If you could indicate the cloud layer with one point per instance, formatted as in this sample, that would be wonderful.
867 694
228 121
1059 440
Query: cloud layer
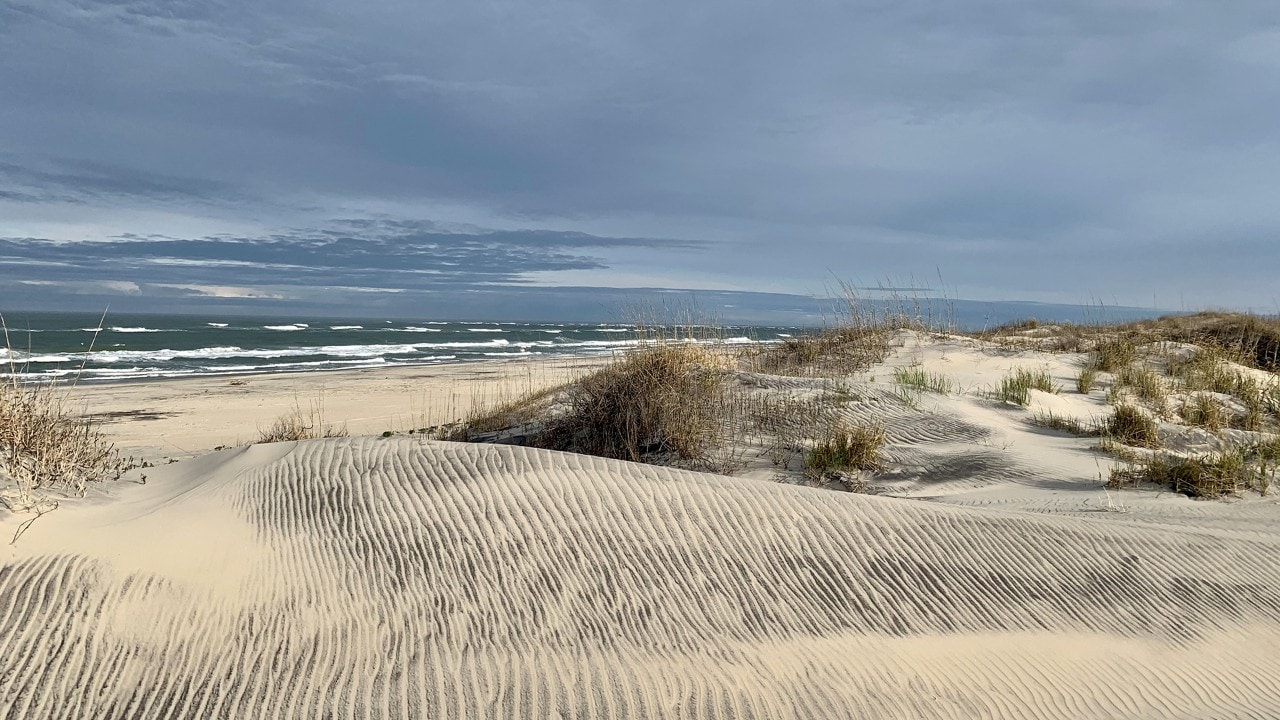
1029 150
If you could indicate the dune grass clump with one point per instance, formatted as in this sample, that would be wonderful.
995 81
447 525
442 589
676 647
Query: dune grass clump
833 352
1087 379
1205 370
1205 411
1144 382
1130 426
299 424
859 338
1250 338
503 418
1016 386
918 378
1063 423
44 443
1204 476
1115 352
666 399
845 448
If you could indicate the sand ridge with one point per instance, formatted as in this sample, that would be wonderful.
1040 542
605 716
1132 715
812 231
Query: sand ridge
395 577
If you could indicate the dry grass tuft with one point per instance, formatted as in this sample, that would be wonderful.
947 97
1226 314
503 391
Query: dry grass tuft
44 443
832 352
1244 337
299 424
665 399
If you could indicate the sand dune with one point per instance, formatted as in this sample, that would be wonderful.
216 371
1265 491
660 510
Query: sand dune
394 577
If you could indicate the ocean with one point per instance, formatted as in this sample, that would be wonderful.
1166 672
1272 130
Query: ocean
45 345
131 347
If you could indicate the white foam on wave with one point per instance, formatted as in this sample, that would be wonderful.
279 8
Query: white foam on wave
480 329
135 330
415 328
232 351
218 325
346 327
285 328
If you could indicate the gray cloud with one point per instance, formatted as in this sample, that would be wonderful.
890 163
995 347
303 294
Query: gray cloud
1040 150
392 255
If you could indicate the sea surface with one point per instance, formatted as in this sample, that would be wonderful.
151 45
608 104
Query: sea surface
128 347
117 347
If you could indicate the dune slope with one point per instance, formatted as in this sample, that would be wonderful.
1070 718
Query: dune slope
391 577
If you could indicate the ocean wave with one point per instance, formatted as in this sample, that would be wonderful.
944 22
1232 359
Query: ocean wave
232 351
346 327
135 330
24 358
216 324
95 329
286 328
414 328
485 329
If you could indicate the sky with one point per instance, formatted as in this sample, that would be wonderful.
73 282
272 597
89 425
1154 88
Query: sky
180 154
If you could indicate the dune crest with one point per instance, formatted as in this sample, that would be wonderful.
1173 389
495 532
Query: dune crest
393 577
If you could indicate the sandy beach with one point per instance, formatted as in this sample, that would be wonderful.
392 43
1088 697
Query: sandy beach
986 571
162 419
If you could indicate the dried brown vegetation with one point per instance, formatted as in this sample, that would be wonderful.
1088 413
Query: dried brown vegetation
666 399
300 424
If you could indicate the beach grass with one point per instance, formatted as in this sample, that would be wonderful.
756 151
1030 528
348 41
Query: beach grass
1016 386
46 442
301 424
1212 475
845 448
918 378
1129 425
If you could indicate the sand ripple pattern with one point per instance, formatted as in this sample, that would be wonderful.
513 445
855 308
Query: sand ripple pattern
377 578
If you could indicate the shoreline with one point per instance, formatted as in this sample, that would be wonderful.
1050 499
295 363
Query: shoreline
158 419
